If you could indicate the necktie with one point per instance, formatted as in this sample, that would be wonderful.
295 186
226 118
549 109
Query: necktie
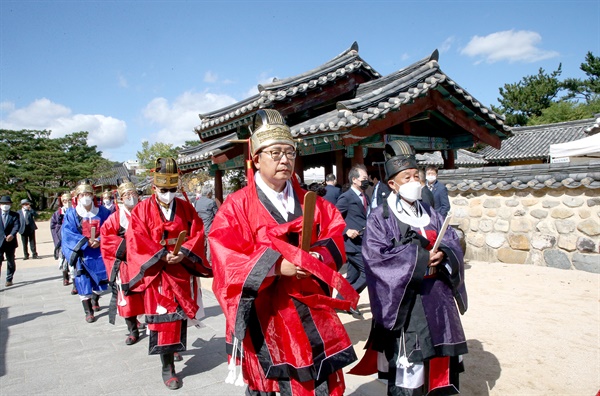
25 214
4 218
364 199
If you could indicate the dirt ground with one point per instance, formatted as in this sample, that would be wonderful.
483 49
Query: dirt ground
531 330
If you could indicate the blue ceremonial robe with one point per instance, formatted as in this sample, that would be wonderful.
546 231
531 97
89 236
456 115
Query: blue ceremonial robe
88 263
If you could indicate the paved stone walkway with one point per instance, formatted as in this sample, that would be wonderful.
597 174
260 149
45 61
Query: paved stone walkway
46 347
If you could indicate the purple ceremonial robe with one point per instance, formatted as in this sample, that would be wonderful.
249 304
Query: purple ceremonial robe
403 298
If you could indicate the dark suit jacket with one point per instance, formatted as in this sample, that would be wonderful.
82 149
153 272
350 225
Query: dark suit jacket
382 191
427 197
440 197
207 209
332 193
27 228
11 228
353 211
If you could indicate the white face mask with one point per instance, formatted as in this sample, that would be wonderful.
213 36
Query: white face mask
106 202
430 178
410 191
85 201
165 197
5 208
130 202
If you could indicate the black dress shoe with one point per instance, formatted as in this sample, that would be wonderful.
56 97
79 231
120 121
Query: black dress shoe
26 258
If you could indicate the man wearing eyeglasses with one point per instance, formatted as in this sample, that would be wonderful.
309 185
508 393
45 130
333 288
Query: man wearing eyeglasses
167 278
281 324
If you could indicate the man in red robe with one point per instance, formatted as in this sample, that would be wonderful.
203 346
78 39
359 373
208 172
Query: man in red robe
114 252
167 278
281 324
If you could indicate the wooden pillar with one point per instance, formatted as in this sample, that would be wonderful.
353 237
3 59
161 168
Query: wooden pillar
339 167
449 162
358 156
299 167
219 185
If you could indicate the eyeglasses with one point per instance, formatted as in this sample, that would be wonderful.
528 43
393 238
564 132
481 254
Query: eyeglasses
166 190
277 155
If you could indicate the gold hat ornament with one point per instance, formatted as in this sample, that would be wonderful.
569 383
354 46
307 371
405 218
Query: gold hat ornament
125 185
84 186
269 128
165 173
106 194
65 196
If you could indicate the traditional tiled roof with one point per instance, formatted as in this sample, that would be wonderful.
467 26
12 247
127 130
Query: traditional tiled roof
533 142
240 113
201 155
464 159
374 99
119 172
520 177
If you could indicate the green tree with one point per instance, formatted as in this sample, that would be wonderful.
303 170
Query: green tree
589 88
149 153
566 111
527 98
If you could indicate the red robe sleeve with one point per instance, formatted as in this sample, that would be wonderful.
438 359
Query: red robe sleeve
112 246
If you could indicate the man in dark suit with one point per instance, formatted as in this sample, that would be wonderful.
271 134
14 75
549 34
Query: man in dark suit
9 226
426 194
332 191
354 207
381 191
27 229
440 192
206 207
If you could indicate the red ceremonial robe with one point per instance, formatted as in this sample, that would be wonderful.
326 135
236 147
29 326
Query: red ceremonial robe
114 253
293 341
170 290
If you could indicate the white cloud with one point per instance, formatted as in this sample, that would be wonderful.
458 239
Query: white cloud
176 121
210 77
104 131
122 81
509 45
447 44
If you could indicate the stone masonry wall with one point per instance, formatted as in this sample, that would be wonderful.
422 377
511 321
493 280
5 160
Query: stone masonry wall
549 227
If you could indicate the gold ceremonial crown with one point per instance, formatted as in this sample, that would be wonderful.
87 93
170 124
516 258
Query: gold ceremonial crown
125 185
165 173
269 128
84 186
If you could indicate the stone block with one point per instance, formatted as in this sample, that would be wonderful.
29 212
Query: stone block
535 257
460 212
587 262
475 202
520 225
519 213
476 239
589 227
567 242
495 239
486 225
511 203
572 202
482 254
474 224
550 204
460 202
529 201
492 203
562 213
505 213
518 241
546 227
508 255
593 202
556 259
564 226
543 241
501 225
539 213
475 211
586 245
584 213
490 212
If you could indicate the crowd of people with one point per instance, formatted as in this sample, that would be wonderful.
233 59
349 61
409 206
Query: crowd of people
276 274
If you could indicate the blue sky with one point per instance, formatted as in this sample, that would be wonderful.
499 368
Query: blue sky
128 71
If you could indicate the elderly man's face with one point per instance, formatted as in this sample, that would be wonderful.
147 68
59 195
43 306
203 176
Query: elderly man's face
403 177
276 164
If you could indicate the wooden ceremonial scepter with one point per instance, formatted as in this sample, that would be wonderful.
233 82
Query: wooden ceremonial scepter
92 233
180 240
308 220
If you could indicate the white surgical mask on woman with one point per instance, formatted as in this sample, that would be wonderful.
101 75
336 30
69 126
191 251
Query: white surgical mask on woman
165 197
5 208
86 200
130 202
410 191
106 202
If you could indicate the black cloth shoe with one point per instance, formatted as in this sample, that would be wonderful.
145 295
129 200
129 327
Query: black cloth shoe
355 313
177 357
173 383
26 258
89 312
73 290
96 302
8 283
